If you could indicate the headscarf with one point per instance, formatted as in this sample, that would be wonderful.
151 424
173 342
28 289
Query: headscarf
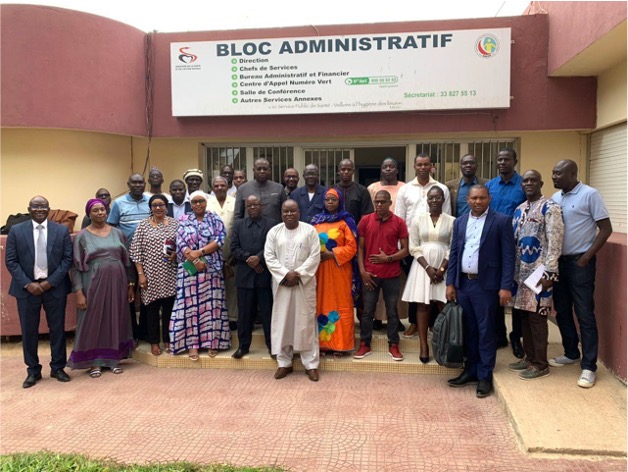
198 193
341 215
94 201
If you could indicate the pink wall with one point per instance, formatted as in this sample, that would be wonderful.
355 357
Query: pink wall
610 303
540 102
67 69
574 26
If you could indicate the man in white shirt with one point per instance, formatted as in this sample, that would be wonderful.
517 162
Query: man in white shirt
412 199
38 257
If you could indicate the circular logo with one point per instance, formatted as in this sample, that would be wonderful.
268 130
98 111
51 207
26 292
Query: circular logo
486 46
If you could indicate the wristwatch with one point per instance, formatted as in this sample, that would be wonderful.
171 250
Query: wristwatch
442 269
389 258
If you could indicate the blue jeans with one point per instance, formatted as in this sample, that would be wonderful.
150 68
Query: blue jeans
575 292
390 289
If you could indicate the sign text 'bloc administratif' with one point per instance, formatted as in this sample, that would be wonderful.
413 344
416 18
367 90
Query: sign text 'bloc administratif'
441 70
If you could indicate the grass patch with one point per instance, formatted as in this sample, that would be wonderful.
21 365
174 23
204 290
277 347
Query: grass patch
51 462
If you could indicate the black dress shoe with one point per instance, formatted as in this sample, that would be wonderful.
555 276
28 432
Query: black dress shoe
401 328
233 325
31 380
463 379
240 353
485 388
60 375
503 342
517 348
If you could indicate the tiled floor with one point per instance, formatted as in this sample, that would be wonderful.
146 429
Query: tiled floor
349 421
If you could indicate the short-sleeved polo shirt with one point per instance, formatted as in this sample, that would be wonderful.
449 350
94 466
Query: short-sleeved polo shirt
384 234
583 207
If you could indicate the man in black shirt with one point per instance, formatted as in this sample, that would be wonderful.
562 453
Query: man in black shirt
252 277
357 198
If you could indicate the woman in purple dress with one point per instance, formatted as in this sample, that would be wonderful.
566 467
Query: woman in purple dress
100 279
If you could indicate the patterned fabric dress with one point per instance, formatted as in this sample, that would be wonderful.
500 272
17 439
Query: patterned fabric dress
538 228
147 249
334 303
199 318
101 269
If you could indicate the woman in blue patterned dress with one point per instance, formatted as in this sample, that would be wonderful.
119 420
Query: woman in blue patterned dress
199 319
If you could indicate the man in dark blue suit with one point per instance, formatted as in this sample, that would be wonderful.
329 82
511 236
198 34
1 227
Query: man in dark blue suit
310 196
38 257
480 277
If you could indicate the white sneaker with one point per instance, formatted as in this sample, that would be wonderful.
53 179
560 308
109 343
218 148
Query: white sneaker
562 361
587 379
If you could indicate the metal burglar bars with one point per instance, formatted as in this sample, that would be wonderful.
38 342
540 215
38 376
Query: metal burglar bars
327 161
220 156
279 157
446 156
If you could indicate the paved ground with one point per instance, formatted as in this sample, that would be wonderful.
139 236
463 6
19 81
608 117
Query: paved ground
348 421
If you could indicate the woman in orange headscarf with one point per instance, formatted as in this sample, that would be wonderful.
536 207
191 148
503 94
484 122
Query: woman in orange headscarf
337 279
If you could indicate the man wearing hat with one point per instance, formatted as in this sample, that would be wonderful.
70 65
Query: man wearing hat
193 179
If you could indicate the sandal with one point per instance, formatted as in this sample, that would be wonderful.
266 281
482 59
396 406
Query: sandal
338 355
117 370
95 372
193 354
212 353
155 349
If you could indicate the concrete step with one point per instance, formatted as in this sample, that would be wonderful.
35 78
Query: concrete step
258 358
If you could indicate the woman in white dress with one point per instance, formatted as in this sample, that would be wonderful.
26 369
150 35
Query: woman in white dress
430 241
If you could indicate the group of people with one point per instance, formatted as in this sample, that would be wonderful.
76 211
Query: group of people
303 260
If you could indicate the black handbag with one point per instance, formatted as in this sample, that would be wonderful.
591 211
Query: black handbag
448 337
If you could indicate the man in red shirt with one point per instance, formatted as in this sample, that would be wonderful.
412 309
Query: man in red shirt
383 243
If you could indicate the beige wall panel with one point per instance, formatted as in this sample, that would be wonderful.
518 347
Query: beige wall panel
172 156
611 96
67 167
541 151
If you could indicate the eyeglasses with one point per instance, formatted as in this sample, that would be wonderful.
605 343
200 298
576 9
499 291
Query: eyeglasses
198 202
103 195
37 207
158 205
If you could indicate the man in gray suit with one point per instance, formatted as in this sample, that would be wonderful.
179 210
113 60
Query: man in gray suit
38 257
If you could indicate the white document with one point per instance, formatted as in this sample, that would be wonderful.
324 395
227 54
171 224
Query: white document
533 280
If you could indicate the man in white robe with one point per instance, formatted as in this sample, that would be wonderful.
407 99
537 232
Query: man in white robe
292 255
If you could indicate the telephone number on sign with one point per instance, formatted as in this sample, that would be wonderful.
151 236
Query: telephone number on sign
457 93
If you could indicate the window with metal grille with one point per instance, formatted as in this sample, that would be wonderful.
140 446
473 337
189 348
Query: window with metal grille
327 161
219 156
279 157
446 156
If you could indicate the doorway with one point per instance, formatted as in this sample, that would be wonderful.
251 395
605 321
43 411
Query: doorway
368 161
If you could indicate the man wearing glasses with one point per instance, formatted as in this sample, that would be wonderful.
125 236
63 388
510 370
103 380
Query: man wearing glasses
271 193
38 257
252 276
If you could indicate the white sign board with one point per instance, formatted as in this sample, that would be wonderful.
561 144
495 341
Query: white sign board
440 70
